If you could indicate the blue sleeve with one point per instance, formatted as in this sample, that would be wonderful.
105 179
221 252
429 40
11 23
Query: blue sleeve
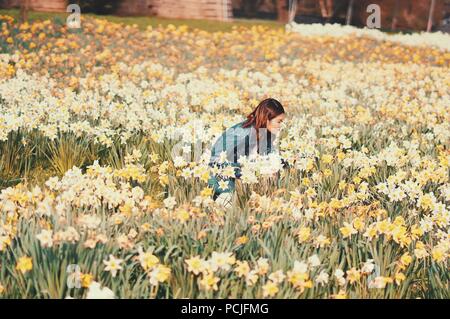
234 142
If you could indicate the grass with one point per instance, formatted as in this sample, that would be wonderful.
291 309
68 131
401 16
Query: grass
143 22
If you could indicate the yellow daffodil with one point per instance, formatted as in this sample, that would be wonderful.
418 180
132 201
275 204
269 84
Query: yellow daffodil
24 264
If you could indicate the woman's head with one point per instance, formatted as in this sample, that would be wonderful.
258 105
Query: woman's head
268 114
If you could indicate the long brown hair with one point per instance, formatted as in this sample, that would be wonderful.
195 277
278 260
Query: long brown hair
266 110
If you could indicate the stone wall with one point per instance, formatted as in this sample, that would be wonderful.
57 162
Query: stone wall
135 7
187 9
38 5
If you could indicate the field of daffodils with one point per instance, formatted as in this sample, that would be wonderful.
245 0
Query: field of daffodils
95 203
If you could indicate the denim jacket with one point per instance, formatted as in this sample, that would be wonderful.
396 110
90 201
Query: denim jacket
237 141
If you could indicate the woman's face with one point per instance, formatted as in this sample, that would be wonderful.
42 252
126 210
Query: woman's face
274 124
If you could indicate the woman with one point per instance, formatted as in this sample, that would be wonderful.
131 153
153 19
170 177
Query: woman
253 136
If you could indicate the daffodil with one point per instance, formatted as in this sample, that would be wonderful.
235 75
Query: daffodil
420 250
340 295
45 238
270 289
399 277
322 278
86 280
222 260
438 254
159 274
209 282
405 260
262 266
242 268
304 234
113 265
24 264
353 275
348 230
277 276
147 259
195 265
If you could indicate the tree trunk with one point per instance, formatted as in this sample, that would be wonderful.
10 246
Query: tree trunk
349 12
330 8
282 11
395 16
430 16
24 7
326 8
292 10
323 8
